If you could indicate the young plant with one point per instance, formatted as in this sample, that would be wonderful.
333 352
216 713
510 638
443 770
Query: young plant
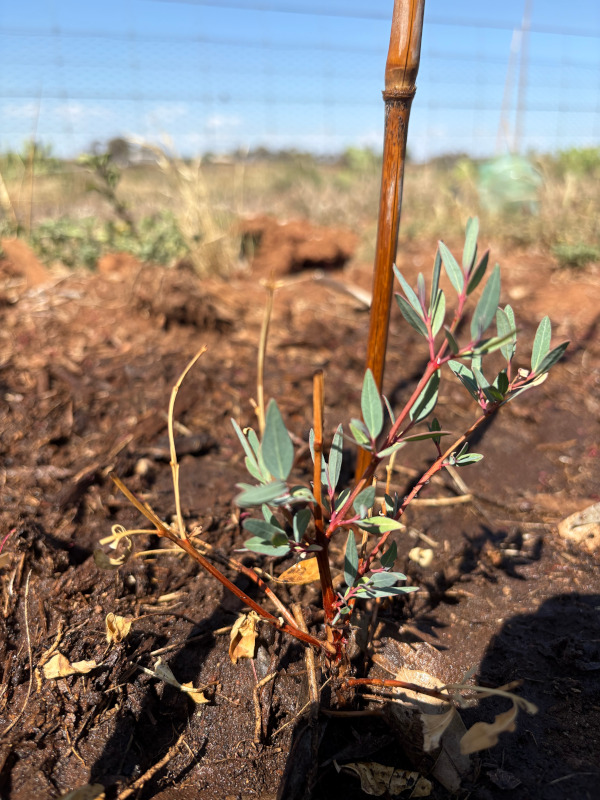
283 517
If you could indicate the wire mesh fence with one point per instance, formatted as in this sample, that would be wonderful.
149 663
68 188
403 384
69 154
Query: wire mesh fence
229 79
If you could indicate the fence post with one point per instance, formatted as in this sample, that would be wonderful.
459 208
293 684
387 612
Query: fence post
400 85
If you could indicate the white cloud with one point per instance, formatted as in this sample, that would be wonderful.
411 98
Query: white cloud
222 123
28 110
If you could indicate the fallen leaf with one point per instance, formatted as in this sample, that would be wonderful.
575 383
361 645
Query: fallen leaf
194 694
378 779
124 545
305 571
423 556
483 735
117 628
59 666
5 559
165 674
91 791
242 639
583 528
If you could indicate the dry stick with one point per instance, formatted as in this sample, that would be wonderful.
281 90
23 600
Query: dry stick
309 657
270 286
152 771
174 462
400 75
320 538
188 547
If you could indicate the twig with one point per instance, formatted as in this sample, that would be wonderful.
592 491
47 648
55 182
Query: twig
27 696
152 771
174 462
309 657
257 708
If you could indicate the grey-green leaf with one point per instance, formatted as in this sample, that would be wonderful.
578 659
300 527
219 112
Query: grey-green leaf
485 310
552 358
435 278
506 329
410 293
470 249
477 276
468 458
371 407
453 270
439 313
300 523
411 316
388 559
277 449
358 429
261 528
350 560
335 457
452 343
364 501
257 495
256 545
466 377
541 343
426 401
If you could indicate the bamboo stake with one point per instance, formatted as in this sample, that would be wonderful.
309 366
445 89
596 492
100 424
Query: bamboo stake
400 76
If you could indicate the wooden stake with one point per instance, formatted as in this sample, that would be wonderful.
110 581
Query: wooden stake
400 85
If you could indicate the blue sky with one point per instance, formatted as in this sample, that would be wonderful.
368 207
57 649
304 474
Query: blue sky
242 73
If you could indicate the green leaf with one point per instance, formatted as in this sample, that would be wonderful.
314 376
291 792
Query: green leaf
388 559
389 591
254 470
477 276
256 545
470 249
435 428
370 405
386 578
261 528
468 458
277 449
324 472
502 382
426 401
411 316
421 290
300 523
466 377
417 437
439 313
378 524
341 498
254 443
257 495
541 343
452 343
552 358
435 279
247 449
350 560
360 433
387 451
389 409
335 457
411 296
505 325
486 346
453 270
364 501
302 493
485 310
392 505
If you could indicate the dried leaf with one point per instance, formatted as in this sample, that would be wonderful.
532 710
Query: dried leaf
59 666
194 694
378 779
434 727
583 528
5 559
305 571
117 628
91 791
242 639
483 735
423 556
124 546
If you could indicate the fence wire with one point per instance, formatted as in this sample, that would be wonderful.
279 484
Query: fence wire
222 89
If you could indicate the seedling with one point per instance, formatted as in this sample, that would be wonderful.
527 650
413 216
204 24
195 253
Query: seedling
286 517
